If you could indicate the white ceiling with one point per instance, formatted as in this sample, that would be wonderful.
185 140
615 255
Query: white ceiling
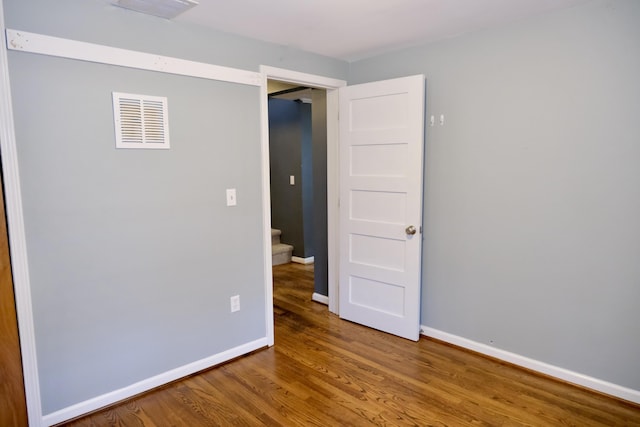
355 29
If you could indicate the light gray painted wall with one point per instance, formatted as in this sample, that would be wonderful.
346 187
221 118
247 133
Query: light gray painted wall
133 255
532 195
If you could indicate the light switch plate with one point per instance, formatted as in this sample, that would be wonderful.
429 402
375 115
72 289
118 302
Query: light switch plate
235 303
231 197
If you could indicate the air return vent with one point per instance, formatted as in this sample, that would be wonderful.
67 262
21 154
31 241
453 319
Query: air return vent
141 121
163 8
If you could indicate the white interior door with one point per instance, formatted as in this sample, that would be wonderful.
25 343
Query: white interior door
381 162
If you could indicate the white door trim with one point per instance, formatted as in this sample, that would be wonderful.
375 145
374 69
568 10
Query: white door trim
17 238
331 85
23 41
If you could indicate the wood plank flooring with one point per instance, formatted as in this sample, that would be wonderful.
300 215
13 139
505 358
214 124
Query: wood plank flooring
327 372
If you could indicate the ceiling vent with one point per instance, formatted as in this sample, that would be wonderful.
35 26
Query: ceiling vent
163 8
141 121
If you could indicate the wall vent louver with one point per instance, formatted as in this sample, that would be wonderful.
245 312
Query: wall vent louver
141 121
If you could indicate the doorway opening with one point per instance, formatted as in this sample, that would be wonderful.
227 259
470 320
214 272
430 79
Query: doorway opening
331 86
297 118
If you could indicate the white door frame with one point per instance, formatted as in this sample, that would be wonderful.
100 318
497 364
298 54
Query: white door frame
17 238
331 85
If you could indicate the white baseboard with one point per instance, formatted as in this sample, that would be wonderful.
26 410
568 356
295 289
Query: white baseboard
320 298
150 383
299 260
535 365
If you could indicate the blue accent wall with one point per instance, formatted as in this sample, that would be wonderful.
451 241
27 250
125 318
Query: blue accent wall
290 154
319 138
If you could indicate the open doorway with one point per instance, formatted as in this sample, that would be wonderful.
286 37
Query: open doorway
297 118
331 85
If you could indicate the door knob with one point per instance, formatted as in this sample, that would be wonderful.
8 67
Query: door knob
410 230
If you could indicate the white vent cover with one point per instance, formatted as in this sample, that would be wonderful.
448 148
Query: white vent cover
141 121
163 8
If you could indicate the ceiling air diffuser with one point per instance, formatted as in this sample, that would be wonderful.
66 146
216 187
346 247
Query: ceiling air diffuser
163 8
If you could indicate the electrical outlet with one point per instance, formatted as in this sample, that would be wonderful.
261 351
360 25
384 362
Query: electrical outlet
235 303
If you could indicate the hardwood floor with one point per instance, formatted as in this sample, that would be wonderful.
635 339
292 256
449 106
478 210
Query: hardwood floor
327 372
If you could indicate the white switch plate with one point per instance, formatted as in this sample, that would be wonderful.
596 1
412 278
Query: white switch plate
235 303
292 180
231 197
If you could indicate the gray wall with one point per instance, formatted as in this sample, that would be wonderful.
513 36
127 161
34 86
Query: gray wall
290 154
307 181
532 195
133 255
319 137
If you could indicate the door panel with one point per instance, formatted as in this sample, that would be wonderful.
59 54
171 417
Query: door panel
381 146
